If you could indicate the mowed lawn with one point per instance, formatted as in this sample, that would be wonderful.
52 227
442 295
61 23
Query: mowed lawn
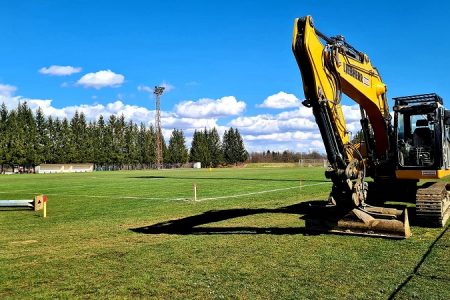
138 234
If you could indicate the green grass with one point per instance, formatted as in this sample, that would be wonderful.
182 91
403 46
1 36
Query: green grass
254 249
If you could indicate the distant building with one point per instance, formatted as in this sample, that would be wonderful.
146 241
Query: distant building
64 168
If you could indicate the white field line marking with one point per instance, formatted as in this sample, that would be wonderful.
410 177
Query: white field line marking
185 198
260 192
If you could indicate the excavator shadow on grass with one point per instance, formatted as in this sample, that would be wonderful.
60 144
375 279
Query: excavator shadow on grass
203 224
193 224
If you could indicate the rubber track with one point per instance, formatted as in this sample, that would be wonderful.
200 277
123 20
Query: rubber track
433 204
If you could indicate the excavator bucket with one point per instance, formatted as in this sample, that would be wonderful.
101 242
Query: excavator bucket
367 221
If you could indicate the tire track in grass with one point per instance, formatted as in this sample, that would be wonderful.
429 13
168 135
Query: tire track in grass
419 264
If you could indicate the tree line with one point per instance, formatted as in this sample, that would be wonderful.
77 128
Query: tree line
208 149
284 156
29 139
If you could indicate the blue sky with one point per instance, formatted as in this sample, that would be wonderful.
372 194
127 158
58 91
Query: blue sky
219 59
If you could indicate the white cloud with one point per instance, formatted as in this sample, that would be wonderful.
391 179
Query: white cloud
225 106
138 114
351 113
92 111
280 100
59 70
290 130
284 136
302 112
293 141
256 124
293 130
167 86
172 121
191 83
297 124
101 79
317 144
7 90
272 123
145 88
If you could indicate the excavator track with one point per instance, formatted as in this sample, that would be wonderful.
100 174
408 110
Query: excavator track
433 204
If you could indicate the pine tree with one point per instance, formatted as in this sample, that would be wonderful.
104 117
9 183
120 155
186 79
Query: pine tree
78 127
205 150
241 154
3 136
90 142
42 138
109 142
199 148
193 153
52 149
131 145
28 139
102 143
118 145
149 146
228 144
233 147
67 154
164 149
141 143
27 125
112 152
177 151
15 154
215 147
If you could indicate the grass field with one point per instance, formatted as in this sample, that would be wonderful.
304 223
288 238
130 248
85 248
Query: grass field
138 234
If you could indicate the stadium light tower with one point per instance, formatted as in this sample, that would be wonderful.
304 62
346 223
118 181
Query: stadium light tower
158 91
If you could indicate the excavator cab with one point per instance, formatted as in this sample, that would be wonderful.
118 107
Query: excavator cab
422 134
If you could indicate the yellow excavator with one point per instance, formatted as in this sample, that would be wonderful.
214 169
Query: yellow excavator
403 156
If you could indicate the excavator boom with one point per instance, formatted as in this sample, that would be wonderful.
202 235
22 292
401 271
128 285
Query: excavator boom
334 68
329 67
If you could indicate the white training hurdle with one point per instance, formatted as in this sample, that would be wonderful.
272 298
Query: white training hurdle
39 202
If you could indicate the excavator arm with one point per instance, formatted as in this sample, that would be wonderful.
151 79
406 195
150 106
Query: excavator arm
328 69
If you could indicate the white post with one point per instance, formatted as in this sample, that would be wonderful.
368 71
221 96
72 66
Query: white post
195 192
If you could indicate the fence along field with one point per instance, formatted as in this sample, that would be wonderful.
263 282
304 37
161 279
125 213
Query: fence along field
135 234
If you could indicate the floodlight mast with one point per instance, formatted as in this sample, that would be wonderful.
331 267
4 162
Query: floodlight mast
158 91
